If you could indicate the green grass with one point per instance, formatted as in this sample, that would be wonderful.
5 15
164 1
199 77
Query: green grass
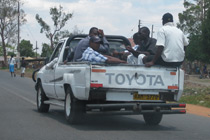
197 96
3 68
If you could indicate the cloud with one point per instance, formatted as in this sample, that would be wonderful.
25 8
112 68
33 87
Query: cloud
117 17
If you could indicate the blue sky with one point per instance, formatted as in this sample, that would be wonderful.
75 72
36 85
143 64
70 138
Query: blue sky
115 17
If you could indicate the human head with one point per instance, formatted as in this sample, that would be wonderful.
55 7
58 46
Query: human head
94 42
11 56
136 38
144 33
93 31
22 58
167 17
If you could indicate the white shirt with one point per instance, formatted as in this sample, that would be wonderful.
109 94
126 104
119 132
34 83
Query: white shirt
173 41
134 47
12 61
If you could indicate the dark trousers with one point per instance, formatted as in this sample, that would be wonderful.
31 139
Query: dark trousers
160 61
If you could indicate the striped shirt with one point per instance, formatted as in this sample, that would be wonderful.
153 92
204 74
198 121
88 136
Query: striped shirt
93 56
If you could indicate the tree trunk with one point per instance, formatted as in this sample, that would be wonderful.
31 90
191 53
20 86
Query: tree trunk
4 51
51 42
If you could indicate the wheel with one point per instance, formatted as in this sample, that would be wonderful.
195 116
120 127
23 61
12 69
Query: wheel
41 97
153 118
74 109
34 75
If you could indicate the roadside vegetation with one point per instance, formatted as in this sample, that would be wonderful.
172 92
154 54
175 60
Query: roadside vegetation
196 94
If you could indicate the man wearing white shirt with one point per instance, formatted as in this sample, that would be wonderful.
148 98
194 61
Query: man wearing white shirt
171 44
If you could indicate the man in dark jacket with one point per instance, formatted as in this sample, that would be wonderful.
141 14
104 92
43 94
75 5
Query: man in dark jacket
23 67
146 50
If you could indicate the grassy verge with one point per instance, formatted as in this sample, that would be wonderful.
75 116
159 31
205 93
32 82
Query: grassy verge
196 94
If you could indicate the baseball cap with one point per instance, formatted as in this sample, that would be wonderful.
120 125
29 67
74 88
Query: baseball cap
95 39
167 17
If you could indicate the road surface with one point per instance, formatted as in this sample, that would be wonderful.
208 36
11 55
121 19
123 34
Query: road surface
19 120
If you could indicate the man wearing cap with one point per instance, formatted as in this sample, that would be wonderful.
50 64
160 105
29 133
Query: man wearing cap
91 53
171 44
84 43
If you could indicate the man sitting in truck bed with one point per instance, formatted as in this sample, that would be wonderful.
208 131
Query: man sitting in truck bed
84 43
171 44
146 50
91 54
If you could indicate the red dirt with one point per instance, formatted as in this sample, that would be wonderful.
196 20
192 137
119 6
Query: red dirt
198 110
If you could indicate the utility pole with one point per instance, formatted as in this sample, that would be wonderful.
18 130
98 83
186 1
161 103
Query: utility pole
139 25
18 48
152 32
36 49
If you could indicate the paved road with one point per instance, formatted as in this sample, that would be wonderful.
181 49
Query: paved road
19 120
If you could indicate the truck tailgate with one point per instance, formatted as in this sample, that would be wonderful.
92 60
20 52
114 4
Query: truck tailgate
135 77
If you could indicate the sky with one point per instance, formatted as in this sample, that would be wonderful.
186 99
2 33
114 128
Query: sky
115 17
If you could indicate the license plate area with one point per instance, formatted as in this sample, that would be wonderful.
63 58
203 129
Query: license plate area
137 96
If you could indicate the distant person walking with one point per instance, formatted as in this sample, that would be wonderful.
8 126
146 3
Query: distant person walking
12 66
23 67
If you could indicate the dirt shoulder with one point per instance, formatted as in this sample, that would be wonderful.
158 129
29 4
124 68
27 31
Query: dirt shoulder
198 110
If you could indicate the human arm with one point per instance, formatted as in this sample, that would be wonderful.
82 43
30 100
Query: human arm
185 42
136 52
157 55
104 48
51 64
113 60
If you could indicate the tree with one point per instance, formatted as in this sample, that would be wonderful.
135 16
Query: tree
191 21
59 20
8 23
26 48
10 50
66 33
206 37
46 51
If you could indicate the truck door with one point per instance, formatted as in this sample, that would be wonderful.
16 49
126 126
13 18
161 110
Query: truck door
49 76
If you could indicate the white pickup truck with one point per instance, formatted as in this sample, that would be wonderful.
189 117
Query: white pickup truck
84 87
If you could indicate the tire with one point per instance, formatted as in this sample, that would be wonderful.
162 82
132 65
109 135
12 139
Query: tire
74 109
34 75
153 118
40 98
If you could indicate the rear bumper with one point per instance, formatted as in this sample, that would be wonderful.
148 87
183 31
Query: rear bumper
139 108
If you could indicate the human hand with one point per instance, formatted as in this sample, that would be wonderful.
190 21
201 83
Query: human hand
101 32
65 62
129 48
149 64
